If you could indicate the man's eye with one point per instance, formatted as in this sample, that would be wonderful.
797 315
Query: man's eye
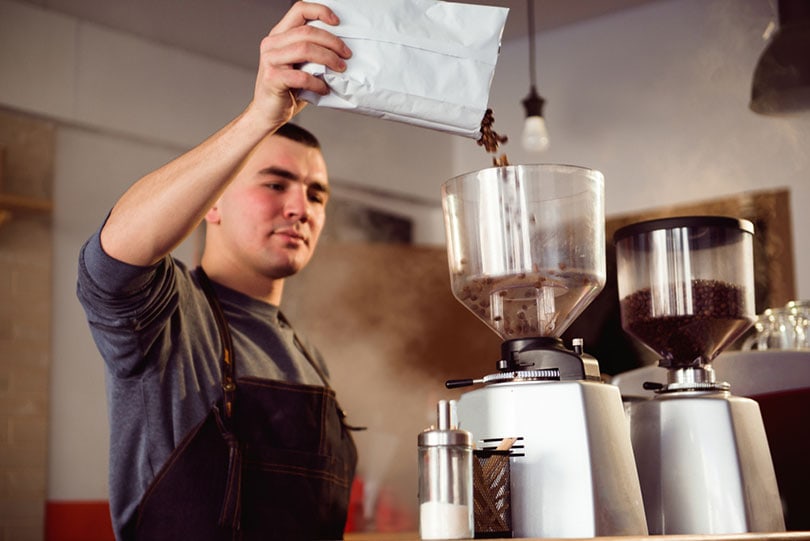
277 186
317 197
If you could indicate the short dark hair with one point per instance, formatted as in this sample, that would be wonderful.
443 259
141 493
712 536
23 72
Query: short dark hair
296 133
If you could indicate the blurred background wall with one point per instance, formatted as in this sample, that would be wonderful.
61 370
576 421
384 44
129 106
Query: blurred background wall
654 95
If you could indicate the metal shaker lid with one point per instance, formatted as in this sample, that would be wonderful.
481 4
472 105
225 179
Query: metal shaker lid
445 438
447 434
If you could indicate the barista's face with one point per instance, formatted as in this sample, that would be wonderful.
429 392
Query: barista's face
271 215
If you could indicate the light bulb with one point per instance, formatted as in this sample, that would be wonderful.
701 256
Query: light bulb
535 134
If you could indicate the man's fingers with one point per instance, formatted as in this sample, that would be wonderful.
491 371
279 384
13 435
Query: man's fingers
301 12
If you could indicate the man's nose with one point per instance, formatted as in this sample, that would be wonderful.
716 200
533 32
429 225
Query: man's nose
296 204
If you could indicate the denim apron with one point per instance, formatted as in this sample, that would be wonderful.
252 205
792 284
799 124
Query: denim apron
271 460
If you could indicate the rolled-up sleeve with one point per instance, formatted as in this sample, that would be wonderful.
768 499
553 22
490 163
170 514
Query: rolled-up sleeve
127 306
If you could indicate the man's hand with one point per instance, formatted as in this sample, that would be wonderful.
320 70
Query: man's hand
291 43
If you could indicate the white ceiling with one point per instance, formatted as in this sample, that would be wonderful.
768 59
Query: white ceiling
230 30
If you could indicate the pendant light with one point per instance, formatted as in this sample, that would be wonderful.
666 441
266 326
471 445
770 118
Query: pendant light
535 135
782 76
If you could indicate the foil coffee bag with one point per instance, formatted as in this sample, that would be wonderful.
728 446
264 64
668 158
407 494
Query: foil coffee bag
428 63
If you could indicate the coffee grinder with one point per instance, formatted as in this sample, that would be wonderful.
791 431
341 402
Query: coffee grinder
526 255
686 289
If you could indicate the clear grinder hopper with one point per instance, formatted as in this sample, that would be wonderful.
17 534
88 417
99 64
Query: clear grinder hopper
526 246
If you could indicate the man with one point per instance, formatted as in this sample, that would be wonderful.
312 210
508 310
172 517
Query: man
223 425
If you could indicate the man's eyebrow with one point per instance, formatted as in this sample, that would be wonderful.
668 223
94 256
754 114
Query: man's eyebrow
289 175
279 172
318 187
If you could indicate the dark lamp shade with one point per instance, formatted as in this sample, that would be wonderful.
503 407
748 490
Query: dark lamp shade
781 82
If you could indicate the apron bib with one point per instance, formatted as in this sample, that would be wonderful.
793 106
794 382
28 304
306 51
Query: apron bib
271 460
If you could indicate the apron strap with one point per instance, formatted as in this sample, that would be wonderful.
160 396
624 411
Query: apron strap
230 514
228 379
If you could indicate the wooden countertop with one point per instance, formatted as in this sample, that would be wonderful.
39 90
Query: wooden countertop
778 536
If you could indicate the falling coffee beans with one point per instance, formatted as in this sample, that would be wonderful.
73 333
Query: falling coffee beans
491 140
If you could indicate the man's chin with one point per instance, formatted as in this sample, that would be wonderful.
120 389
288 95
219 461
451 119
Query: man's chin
286 262
283 271
287 268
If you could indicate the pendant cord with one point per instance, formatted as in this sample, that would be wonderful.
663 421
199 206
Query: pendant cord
532 74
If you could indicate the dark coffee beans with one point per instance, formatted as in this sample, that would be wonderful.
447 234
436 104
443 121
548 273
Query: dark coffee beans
687 328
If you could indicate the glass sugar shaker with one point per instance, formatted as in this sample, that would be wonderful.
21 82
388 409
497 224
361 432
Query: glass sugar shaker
445 478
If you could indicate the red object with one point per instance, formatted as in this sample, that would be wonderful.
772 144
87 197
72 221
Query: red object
78 521
354 519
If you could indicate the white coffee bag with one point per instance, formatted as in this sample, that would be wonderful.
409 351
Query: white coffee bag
424 62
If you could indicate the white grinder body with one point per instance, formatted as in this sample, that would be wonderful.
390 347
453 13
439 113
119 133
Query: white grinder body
704 464
575 475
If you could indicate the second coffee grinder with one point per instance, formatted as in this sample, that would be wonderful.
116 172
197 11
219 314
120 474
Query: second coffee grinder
686 288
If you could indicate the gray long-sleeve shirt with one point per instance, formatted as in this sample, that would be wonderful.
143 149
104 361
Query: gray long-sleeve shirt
162 351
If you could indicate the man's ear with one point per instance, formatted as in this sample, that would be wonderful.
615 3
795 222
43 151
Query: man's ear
212 216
